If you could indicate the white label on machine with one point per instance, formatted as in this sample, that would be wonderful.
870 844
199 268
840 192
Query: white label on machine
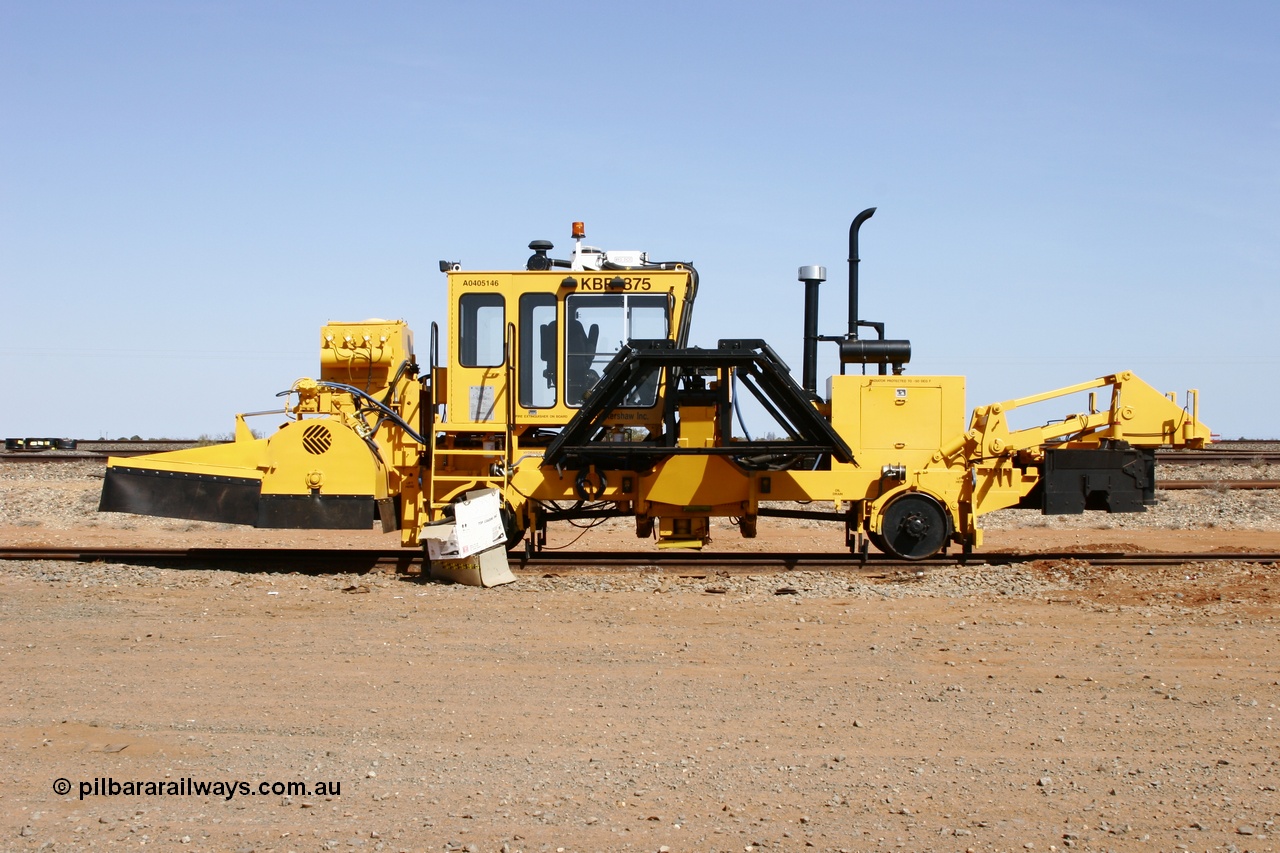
482 403
626 259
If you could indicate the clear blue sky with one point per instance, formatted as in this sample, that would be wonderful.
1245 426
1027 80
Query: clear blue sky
189 190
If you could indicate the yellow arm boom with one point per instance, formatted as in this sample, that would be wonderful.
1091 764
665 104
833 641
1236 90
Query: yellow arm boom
1138 414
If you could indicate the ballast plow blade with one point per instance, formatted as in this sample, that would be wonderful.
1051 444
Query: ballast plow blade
174 494
315 474
220 483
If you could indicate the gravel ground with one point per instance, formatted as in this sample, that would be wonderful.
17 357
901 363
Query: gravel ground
1044 706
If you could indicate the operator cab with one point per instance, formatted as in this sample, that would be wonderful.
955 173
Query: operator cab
527 347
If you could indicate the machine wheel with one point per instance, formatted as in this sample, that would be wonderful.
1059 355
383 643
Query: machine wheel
511 526
878 541
914 527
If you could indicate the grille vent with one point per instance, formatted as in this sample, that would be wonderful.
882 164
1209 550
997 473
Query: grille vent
316 439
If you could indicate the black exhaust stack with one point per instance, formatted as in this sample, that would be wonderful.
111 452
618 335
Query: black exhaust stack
852 351
854 260
812 276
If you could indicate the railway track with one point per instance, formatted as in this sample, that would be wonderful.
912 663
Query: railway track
97 449
321 560
1215 455
1182 485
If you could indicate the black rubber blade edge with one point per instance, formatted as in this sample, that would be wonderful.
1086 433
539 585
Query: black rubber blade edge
316 512
230 500
171 494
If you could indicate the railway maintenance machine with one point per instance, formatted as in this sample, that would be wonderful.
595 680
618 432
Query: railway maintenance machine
571 387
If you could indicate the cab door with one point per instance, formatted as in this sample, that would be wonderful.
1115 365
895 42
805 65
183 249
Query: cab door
478 384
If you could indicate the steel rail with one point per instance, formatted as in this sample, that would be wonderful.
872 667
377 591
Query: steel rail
101 448
156 444
66 455
1215 455
731 562
246 559
1176 485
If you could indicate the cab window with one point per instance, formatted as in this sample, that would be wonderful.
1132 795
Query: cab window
538 341
482 324
596 327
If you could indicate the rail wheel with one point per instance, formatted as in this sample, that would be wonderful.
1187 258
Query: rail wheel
914 527
877 540
512 526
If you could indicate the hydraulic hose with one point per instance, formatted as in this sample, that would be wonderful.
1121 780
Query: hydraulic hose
386 412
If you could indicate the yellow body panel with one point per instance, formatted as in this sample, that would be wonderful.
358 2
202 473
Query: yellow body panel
896 420
322 456
696 481
365 354
314 456
247 459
